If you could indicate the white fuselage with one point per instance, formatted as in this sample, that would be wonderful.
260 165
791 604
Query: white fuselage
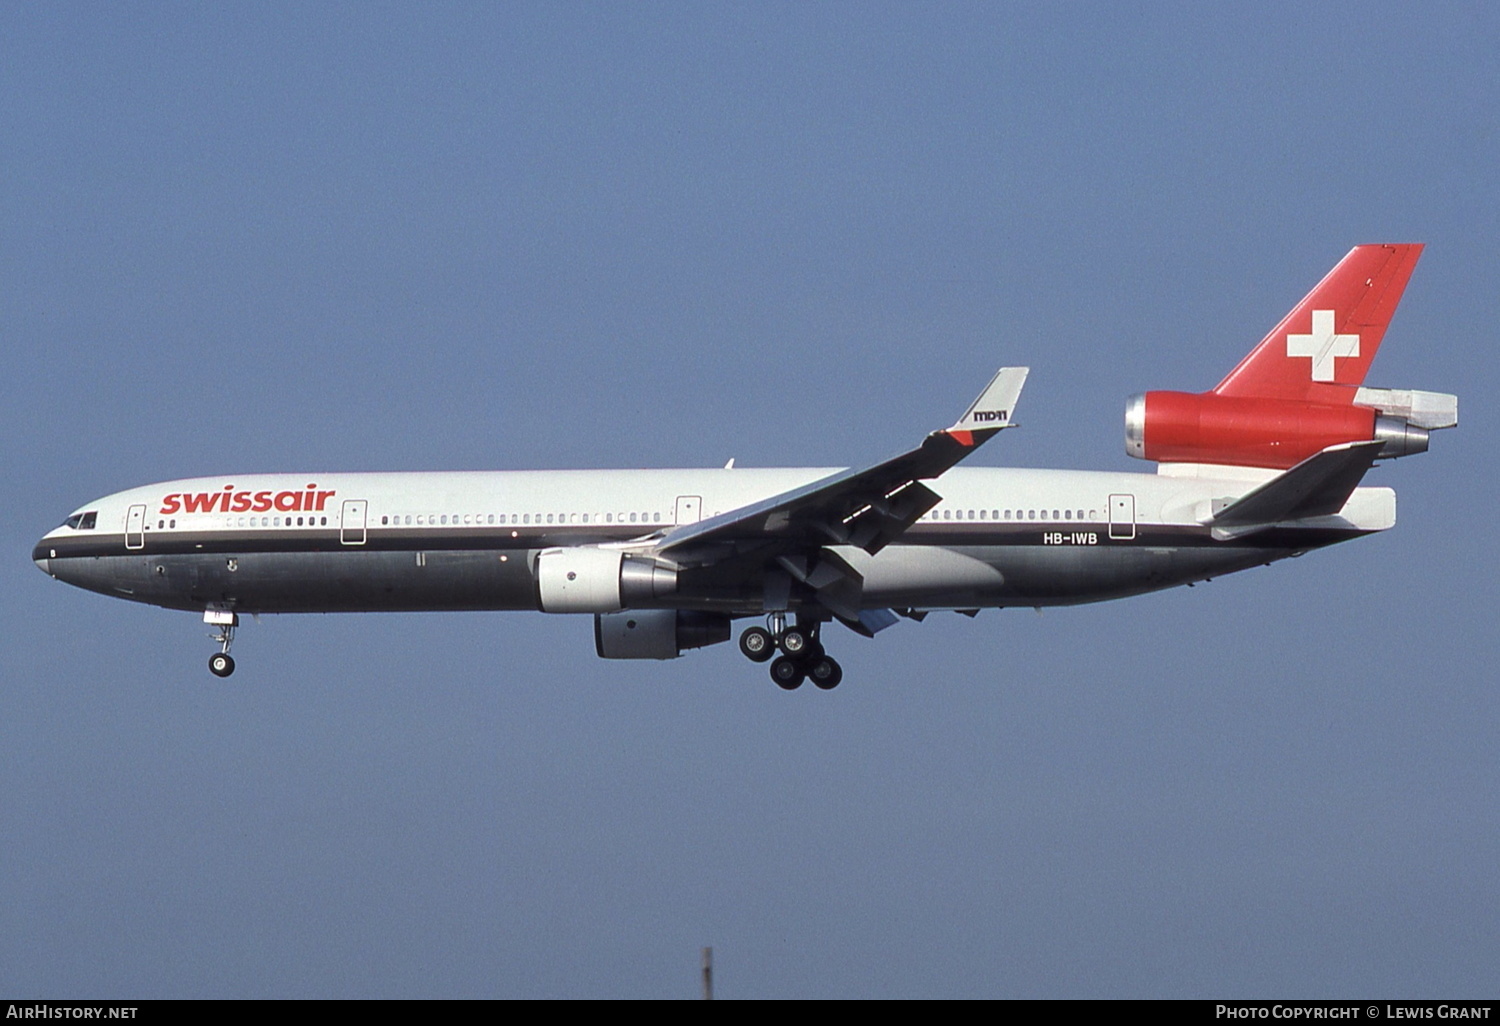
456 540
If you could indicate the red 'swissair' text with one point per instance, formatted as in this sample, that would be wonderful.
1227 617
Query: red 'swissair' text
231 501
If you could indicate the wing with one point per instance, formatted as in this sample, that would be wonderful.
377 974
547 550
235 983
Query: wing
867 507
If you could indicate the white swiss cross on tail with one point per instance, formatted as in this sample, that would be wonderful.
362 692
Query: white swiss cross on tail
1323 345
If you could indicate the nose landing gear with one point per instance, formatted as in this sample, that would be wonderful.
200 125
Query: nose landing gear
220 664
802 656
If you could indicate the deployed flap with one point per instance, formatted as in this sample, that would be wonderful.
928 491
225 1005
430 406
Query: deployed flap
1318 486
870 622
866 507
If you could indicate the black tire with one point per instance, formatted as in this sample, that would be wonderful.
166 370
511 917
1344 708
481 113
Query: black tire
787 673
825 672
220 664
796 642
757 645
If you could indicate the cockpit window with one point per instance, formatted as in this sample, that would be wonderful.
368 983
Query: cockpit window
83 521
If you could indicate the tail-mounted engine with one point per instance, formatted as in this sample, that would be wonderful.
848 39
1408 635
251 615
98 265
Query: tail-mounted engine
1182 427
594 580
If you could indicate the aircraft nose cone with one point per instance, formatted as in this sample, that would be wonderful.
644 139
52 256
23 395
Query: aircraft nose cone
41 556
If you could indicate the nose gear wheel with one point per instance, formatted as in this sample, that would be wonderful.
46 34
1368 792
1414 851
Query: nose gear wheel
221 664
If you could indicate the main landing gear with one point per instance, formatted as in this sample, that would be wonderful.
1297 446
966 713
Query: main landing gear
802 656
220 664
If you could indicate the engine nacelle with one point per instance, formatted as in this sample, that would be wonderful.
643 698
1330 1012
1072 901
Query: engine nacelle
1183 427
594 580
656 633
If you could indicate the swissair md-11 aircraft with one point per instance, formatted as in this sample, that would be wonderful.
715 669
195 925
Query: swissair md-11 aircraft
1266 465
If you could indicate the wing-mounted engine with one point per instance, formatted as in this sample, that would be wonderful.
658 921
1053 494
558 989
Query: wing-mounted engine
656 633
589 579
1252 431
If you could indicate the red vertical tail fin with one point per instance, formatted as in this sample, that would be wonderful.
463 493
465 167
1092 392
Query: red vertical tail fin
1321 351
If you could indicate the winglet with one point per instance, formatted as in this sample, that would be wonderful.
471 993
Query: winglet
993 409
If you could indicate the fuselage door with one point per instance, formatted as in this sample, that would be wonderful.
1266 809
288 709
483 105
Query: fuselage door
135 528
1122 517
352 522
689 509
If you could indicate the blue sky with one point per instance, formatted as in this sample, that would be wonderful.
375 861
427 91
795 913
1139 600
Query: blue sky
241 238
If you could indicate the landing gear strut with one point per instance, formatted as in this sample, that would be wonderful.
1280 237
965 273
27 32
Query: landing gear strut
802 656
220 664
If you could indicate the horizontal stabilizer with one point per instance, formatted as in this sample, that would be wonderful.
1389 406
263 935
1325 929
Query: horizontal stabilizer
1318 486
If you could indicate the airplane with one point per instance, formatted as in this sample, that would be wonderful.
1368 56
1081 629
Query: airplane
1267 464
